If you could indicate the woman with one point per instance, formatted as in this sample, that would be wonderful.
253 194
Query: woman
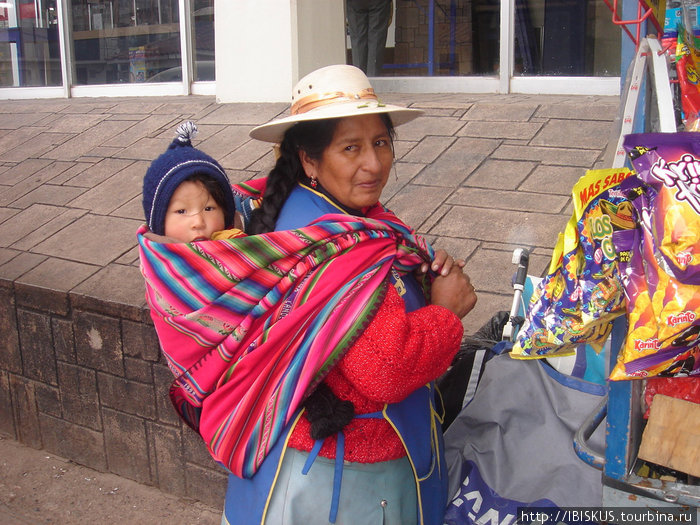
319 397
340 165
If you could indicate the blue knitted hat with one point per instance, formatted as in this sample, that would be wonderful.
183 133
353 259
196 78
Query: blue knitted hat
165 174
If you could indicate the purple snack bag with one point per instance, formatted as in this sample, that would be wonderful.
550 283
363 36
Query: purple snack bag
670 164
663 313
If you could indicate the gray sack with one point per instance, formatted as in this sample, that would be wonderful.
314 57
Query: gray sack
517 432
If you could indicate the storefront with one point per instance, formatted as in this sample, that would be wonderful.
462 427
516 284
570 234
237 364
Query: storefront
68 48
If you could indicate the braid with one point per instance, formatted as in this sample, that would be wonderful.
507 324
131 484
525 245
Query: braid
280 183
311 137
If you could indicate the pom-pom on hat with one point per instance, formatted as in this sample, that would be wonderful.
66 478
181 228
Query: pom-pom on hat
180 161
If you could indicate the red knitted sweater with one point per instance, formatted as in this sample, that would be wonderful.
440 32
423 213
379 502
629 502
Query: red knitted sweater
398 353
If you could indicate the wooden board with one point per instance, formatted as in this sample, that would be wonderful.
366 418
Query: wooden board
671 437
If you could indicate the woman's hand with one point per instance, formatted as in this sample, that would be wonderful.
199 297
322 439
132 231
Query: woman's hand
454 291
442 263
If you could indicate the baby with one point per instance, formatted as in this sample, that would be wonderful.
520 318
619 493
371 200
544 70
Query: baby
187 196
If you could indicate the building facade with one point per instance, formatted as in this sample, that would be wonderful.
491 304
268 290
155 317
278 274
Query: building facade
255 50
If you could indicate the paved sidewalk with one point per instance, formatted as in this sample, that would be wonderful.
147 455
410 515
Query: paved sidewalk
478 175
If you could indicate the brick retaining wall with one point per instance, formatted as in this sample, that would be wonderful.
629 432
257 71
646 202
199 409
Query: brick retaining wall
85 380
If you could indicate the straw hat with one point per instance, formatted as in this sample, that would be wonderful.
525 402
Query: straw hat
332 92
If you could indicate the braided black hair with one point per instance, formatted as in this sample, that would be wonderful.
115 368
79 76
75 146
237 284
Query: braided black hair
312 137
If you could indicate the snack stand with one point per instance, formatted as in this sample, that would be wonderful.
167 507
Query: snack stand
648 105
576 357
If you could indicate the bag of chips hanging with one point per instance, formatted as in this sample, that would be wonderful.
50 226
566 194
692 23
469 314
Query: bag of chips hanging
660 265
687 73
581 294
662 336
670 164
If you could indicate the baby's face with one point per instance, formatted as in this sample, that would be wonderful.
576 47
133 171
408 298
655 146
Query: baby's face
193 214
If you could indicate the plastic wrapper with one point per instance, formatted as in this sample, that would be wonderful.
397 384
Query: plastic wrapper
669 163
686 388
653 345
581 294
659 261
687 72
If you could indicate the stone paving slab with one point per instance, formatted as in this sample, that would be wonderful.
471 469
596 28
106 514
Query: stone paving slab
427 150
94 239
500 174
508 200
560 133
478 173
114 192
596 108
583 158
457 162
251 114
500 130
557 179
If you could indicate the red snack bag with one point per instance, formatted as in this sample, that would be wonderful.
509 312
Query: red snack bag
688 81
686 388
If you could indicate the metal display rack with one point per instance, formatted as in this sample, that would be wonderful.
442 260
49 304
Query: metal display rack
645 13
647 105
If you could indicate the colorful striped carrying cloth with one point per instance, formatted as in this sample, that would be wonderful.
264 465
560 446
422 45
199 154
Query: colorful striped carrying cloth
251 325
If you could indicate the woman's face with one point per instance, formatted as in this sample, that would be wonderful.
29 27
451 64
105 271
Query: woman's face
355 166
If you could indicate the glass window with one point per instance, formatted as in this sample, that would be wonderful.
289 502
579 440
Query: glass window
424 37
203 36
29 48
566 38
462 37
125 41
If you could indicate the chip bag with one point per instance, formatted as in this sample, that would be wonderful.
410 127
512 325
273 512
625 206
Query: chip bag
687 73
581 294
669 163
661 288
662 337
